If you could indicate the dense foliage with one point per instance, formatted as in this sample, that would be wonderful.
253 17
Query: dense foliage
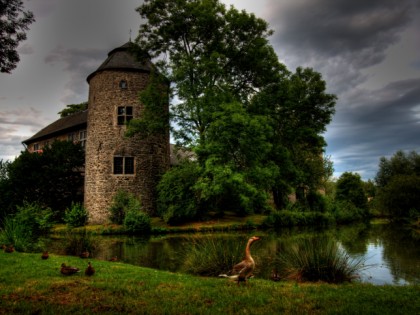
52 179
14 22
350 188
178 200
76 215
23 228
255 127
398 185
73 108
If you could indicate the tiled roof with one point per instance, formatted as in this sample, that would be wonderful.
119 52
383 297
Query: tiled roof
59 126
124 58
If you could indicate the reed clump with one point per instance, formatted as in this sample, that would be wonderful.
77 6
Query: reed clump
318 259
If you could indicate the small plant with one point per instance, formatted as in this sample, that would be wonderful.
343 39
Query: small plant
76 215
122 203
318 259
137 222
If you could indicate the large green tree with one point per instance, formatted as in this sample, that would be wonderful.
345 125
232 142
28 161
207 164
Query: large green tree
253 125
350 188
398 185
299 109
52 178
214 55
14 22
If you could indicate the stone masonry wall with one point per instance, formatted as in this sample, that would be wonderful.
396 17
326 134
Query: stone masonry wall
105 138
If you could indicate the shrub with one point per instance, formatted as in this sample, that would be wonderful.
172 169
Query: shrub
16 234
317 259
178 201
24 228
346 212
137 222
76 215
122 203
34 218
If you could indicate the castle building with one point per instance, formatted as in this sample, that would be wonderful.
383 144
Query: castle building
113 161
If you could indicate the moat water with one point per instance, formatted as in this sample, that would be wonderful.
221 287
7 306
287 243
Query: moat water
391 253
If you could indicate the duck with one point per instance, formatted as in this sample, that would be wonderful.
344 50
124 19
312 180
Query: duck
45 255
68 270
89 270
84 254
275 276
243 270
113 258
9 249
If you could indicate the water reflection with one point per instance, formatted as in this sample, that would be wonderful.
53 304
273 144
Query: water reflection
391 252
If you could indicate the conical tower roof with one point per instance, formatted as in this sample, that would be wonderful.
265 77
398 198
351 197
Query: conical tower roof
124 58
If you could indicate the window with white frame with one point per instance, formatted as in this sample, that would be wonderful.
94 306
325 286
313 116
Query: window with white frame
82 137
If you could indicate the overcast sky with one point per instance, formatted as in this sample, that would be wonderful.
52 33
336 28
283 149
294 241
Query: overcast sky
367 51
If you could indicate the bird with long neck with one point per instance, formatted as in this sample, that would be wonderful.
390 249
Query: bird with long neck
243 270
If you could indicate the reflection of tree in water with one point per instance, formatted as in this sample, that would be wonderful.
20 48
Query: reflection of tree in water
401 251
354 238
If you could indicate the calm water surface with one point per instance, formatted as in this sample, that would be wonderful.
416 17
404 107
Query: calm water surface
391 253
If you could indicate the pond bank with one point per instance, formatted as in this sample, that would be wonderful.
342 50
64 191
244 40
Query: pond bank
229 222
31 285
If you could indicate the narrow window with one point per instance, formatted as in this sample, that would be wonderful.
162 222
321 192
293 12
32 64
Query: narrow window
123 165
123 84
82 138
36 146
124 114
71 136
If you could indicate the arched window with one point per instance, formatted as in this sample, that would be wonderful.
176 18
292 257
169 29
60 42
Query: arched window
123 84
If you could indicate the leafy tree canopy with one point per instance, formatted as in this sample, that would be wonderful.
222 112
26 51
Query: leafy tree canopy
400 163
398 182
52 178
73 108
214 55
350 188
14 22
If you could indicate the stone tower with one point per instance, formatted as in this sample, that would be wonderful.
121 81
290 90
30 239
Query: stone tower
114 161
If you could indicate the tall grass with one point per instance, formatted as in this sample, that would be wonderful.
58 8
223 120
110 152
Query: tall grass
76 243
208 256
318 259
16 234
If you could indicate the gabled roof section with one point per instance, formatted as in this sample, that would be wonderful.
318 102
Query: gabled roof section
124 58
59 126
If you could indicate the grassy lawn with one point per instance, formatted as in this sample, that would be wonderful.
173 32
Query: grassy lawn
30 285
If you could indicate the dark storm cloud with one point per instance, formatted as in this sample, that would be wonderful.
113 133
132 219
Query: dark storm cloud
338 37
26 117
376 123
78 63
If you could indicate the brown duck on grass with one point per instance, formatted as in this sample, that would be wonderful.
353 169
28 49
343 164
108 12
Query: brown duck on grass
68 270
243 270
115 258
8 249
45 255
84 254
89 270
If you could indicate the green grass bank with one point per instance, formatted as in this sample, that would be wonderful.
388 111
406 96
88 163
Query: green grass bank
30 285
